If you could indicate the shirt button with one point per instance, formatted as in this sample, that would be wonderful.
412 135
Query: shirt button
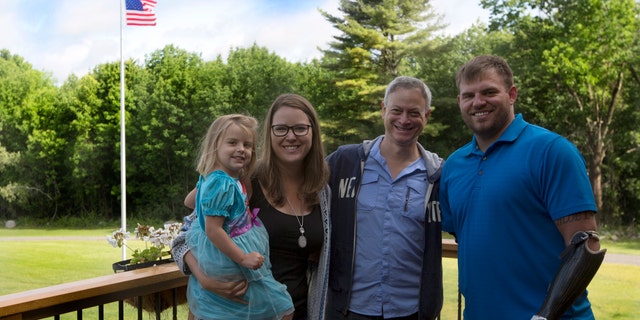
480 172
484 158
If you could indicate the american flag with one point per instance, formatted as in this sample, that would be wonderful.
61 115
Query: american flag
140 12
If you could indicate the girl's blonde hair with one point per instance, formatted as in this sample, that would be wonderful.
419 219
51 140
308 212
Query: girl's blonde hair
208 156
316 171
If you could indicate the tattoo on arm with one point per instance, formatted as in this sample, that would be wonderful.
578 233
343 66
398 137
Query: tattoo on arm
580 216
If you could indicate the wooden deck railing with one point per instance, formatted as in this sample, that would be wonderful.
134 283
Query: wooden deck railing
449 248
83 294
78 295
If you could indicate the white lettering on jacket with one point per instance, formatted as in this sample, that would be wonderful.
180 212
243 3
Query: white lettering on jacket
347 188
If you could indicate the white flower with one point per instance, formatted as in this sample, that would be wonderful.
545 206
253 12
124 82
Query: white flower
158 238
118 238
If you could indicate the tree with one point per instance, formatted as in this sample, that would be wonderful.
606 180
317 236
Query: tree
254 78
162 117
27 122
316 83
92 133
10 191
376 38
576 56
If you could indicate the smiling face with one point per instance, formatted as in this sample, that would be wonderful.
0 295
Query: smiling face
486 105
404 116
291 149
234 150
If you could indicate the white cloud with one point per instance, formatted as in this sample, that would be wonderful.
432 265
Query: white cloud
70 36
12 26
459 15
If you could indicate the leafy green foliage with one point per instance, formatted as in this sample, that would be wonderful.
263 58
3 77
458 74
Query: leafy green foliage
146 255
29 127
9 190
576 56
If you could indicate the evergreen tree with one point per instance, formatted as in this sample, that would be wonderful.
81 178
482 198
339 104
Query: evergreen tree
377 37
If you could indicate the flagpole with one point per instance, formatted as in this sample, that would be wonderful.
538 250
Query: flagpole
123 172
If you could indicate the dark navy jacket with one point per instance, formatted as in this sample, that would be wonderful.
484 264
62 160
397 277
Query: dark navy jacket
347 165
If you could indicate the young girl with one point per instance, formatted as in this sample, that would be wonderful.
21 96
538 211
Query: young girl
227 239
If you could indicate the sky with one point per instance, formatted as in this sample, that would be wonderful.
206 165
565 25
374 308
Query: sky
65 37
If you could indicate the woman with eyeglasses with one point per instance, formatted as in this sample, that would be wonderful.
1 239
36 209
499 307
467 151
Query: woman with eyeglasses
289 190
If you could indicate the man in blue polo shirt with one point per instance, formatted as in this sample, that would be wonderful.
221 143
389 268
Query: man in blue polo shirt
517 197
386 245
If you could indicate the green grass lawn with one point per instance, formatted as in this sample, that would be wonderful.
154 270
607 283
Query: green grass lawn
28 264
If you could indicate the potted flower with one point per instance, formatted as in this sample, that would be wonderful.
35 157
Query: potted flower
155 240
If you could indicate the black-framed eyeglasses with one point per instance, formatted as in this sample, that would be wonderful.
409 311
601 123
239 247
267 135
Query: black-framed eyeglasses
280 130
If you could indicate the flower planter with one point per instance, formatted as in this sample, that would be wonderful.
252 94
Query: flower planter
155 240
148 302
125 265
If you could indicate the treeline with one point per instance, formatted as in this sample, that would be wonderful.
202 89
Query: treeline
575 65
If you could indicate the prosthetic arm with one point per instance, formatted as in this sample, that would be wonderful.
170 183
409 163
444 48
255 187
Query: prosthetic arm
578 268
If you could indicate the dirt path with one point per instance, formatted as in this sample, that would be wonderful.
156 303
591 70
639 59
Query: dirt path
618 258
54 238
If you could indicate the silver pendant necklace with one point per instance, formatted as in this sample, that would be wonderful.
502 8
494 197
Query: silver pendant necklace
302 240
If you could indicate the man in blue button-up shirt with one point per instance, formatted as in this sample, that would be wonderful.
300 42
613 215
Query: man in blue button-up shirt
386 232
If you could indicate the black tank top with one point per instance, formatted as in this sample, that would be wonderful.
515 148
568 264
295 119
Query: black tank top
289 262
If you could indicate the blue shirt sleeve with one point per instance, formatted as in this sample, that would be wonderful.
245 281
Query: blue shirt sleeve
566 181
445 211
217 195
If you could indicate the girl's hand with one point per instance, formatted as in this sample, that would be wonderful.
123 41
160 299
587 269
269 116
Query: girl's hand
252 260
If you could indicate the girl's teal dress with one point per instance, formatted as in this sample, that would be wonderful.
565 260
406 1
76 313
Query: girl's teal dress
221 195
